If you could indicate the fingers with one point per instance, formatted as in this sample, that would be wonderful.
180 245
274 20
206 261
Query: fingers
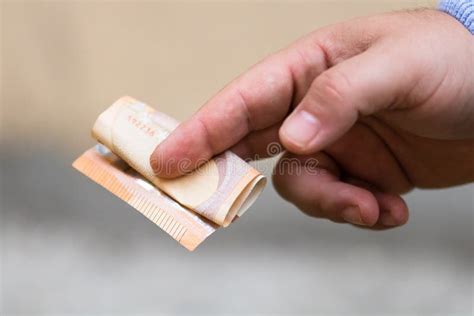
360 86
261 97
393 211
259 144
318 192
255 101
365 155
323 194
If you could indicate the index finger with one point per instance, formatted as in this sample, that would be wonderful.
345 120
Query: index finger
254 101
258 99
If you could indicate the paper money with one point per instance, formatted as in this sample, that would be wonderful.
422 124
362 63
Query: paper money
114 174
220 190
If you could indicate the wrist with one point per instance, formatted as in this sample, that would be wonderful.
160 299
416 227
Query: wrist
461 10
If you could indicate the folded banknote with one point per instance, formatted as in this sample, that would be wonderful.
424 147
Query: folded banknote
212 196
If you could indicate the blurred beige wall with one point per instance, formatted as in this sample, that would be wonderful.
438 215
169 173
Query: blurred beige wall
65 61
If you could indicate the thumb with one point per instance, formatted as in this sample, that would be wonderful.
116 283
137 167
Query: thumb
362 85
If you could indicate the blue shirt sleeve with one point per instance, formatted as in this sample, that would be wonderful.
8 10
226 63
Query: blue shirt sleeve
462 10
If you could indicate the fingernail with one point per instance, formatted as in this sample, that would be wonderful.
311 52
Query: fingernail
388 220
156 162
352 215
301 128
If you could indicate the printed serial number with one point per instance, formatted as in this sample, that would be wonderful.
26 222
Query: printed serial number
147 129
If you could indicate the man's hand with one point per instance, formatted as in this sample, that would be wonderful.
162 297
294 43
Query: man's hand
384 103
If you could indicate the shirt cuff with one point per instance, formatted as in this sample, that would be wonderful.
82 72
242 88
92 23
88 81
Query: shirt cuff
462 10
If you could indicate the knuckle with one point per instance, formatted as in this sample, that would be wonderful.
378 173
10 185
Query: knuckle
206 136
334 87
244 104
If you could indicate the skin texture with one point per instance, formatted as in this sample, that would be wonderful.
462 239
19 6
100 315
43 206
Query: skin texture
384 103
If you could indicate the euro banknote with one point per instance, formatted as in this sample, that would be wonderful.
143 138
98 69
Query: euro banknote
216 193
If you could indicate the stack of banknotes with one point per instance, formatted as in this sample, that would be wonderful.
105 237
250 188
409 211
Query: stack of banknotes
189 208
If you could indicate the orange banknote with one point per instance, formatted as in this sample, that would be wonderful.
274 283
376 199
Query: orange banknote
188 208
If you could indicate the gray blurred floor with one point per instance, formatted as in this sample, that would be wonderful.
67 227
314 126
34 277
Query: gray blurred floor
69 247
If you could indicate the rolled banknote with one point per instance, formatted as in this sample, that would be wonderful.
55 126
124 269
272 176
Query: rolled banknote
219 190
